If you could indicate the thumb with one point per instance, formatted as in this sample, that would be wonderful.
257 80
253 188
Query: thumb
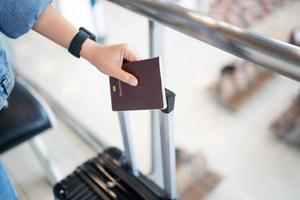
125 77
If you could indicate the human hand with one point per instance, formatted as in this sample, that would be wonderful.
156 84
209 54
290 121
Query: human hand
109 59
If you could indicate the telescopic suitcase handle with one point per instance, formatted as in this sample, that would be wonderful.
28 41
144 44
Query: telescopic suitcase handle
167 145
166 122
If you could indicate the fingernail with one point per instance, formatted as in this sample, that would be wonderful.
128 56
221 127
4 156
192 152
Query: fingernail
133 82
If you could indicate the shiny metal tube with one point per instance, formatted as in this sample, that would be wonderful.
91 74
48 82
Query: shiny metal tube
273 54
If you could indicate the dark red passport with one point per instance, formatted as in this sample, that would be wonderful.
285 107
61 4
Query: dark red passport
148 94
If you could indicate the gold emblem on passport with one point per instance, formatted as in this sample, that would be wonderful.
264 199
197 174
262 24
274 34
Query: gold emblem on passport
114 88
120 88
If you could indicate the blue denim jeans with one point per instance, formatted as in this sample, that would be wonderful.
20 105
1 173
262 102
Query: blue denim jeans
6 189
7 192
7 78
16 18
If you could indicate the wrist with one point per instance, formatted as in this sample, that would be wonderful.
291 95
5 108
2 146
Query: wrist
87 49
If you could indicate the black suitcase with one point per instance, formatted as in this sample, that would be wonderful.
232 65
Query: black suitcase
107 177
113 175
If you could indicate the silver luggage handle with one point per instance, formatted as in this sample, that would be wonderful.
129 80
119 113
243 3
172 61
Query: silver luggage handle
166 122
167 157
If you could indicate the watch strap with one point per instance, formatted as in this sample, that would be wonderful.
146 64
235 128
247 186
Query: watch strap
78 40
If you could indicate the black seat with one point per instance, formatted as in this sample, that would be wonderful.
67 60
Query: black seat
24 118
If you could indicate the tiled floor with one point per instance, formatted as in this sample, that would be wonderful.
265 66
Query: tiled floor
237 145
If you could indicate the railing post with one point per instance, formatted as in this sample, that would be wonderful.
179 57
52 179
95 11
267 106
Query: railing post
98 20
155 49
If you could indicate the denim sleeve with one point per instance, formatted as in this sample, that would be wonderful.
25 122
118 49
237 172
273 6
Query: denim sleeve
18 16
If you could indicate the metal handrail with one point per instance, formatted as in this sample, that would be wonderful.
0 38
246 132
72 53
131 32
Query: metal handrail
273 54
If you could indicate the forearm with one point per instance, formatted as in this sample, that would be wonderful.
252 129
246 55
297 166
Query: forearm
108 59
55 27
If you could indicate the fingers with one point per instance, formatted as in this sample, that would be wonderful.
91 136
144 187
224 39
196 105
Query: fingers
130 54
125 77
111 59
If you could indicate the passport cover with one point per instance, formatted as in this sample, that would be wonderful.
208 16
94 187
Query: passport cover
148 94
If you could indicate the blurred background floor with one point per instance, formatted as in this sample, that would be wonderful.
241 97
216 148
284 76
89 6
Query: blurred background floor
238 146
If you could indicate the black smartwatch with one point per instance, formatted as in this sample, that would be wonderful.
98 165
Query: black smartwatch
78 40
